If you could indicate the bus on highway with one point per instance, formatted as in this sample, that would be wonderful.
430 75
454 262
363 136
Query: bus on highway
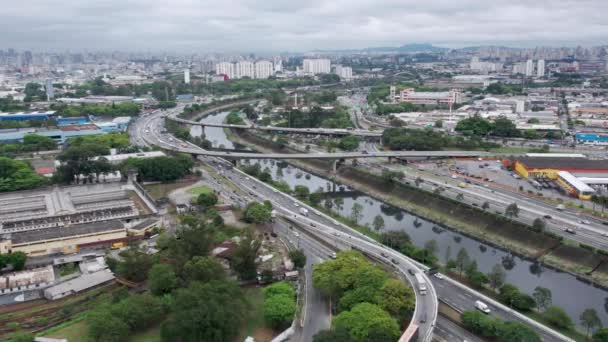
421 283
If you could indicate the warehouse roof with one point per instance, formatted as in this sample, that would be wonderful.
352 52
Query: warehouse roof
563 163
64 232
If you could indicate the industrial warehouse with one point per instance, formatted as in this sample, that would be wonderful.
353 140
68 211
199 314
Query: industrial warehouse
575 173
65 219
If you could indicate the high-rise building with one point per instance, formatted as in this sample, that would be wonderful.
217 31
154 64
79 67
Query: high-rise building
225 68
540 68
50 92
345 73
316 66
529 67
244 69
263 69
187 76
278 65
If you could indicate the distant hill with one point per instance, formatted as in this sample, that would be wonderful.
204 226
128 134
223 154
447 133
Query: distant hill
407 48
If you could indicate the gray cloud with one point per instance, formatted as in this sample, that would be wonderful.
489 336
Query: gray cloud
281 25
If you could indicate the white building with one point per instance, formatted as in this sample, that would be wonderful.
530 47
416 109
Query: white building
225 68
244 69
187 76
540 68
484 67
529 67
316 66
263 69
431 98
345 73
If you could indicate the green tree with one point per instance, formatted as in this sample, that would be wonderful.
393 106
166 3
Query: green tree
134 265
557 317
279 305
515 331
356 212
538 225
245 255
18 175
431 247
205 312
140 311
590 320
378 222
349 142
161 279
366 317
512 210
301 191
475 125
397 299
104 326
258 213
504 127
298 258
207 199
204 269
600 335
497 276
462 260
335 335
542 297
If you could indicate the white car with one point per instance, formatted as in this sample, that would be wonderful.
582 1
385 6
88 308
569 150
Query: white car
439 276
296 204
584 222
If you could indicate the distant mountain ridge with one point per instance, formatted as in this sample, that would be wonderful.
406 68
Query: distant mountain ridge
407 48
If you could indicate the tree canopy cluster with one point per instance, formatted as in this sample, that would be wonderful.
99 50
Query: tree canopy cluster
369 301
31 143
15 259
279 305
401 242
160 168
478 126
397 138
316 117
18 175
113 110
198 302
349 142
495 328
258 212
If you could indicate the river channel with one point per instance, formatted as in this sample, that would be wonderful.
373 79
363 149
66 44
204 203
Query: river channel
569 293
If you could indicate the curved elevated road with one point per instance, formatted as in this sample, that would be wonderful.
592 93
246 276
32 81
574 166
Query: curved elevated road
321 131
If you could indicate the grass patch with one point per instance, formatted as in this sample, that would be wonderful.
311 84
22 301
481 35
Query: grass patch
149 335
203 189
74 330
255 316
67 269
163 189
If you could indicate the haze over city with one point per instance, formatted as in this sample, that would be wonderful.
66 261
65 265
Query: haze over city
296 26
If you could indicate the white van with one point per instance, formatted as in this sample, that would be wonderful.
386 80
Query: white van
481 306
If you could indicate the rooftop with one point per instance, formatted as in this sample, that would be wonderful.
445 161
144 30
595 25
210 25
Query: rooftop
575 163
64 232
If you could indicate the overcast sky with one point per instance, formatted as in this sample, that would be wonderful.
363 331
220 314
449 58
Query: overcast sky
296 25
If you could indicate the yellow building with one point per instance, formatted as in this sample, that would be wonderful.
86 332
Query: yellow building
65 240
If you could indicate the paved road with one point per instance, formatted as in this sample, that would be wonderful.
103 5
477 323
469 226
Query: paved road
342 237
326 225
316 315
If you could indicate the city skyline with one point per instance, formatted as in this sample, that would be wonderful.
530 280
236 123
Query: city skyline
245 25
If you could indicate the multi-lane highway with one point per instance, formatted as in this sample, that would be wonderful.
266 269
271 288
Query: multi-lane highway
149 130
